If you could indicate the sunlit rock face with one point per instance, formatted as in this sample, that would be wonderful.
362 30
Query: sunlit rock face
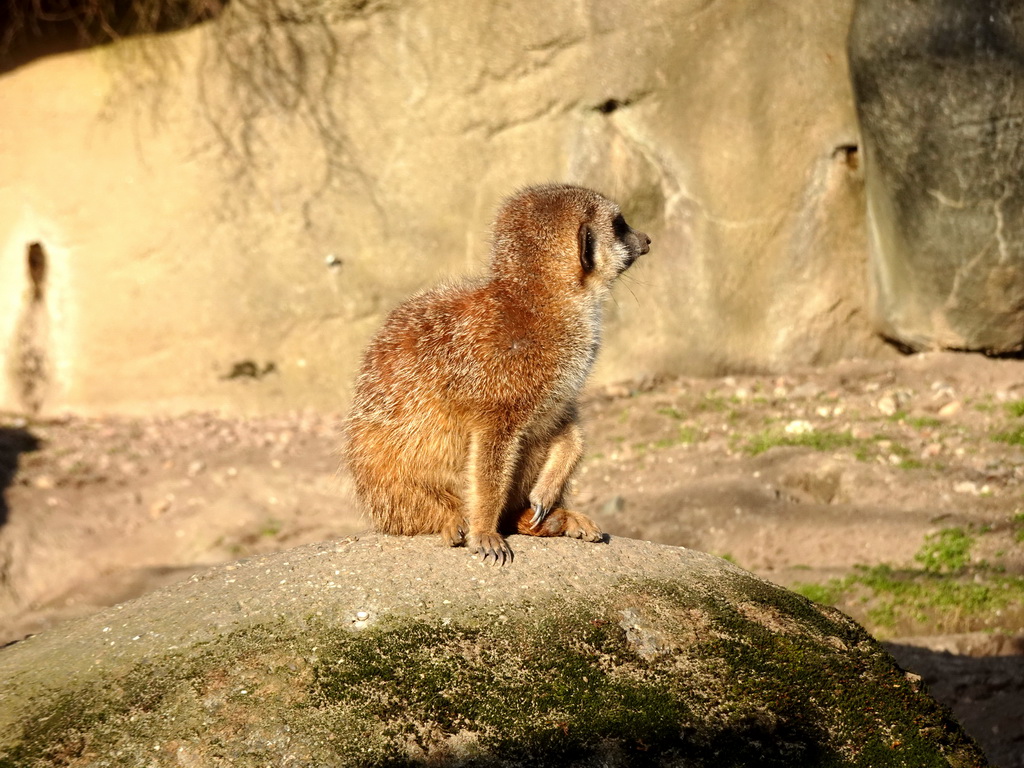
226 214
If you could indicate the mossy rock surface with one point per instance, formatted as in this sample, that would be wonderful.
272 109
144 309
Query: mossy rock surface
382 651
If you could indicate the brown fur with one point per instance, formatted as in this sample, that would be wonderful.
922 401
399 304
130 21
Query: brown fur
464 420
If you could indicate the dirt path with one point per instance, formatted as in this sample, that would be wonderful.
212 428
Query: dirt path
894 490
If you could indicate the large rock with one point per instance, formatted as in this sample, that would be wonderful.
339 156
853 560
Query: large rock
396 651
221 217
940 92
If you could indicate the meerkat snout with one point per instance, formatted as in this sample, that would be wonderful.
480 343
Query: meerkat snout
464 420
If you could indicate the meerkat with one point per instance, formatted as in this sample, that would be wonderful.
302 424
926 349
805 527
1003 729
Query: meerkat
465 421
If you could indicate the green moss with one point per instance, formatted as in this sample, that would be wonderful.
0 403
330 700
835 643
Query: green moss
522 689
924 422
101 714
787 669
1016 408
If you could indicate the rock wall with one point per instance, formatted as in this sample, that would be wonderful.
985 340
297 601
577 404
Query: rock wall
220 218
940 91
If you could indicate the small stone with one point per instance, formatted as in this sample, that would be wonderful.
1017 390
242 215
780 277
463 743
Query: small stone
617 390
950 409
967 487
159 507
807 391
614 505
799 427
887 405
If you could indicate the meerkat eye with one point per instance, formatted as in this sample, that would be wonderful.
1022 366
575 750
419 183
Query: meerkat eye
587 247
620 227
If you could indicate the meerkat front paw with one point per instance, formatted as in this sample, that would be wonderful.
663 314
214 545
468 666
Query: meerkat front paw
491 545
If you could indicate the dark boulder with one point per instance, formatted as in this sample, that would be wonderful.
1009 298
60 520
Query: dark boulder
939 86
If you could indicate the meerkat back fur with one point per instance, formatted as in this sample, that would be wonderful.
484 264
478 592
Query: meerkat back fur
464 419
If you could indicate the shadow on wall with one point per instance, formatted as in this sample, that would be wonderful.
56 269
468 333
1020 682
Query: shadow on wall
13 443
31 30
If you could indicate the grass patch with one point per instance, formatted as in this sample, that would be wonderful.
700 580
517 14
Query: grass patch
942 600
1010 437
714 403
1018 526
924 422
687 435
906 461
271 528
1014 436
945 592
818 441
948 551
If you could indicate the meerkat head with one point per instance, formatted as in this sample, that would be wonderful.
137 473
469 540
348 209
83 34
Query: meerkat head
563 234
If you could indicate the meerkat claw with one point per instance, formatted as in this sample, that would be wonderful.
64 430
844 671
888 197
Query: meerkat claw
491 547
539 513
494 557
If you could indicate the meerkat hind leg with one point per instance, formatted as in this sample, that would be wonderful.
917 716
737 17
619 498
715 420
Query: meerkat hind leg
453 533
560 522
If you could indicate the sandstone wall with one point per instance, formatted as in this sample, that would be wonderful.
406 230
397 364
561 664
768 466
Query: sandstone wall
220 218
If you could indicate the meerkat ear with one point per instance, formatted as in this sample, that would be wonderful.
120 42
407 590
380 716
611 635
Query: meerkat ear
587 247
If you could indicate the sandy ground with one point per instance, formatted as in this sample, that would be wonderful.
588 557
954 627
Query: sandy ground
806 478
